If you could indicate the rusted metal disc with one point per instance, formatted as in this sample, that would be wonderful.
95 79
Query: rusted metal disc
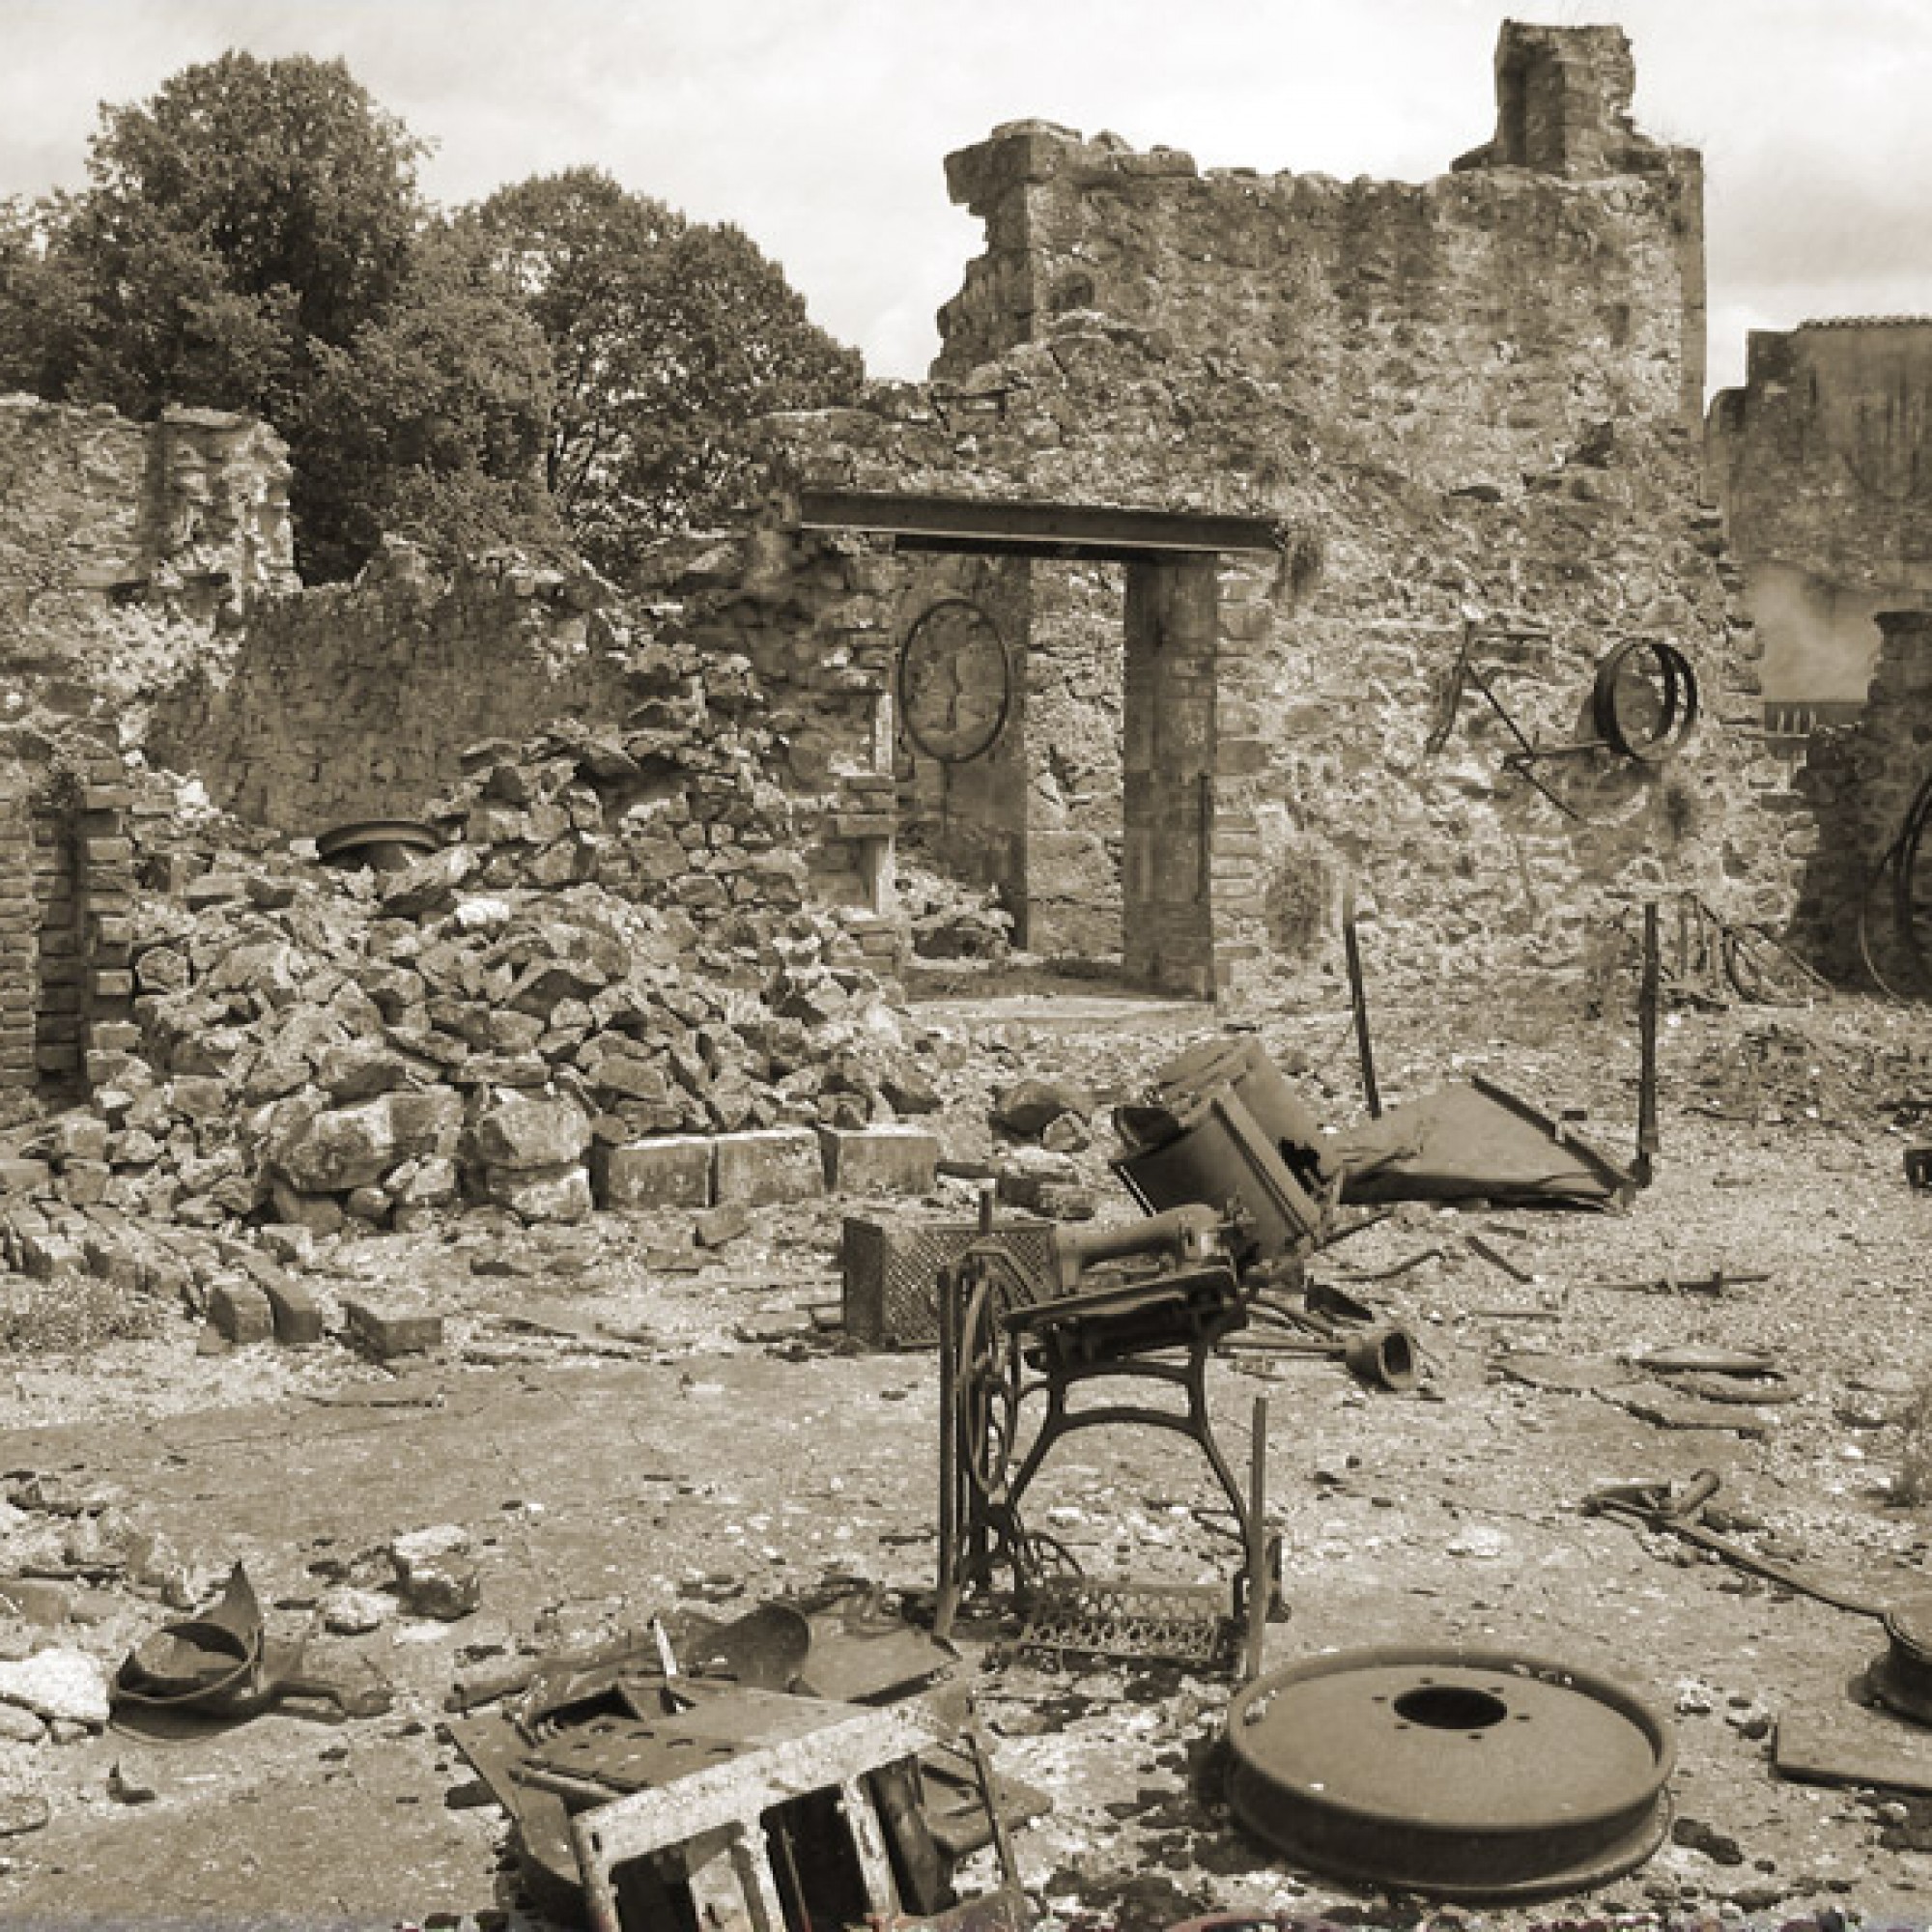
383 845
1462 1774
1902 1678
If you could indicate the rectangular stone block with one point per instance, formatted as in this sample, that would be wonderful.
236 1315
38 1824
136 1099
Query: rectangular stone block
298 1313
386 1329
23 1177
879 1161
768 1164
668 1171
241 1312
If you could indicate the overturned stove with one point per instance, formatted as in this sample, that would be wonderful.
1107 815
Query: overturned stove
650 1798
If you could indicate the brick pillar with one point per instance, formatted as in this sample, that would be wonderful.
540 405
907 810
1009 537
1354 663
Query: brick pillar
1168 743
1244 664
61 992
19 974
105 890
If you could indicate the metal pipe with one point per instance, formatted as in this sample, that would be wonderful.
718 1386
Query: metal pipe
1259 1583
1646 1019
1358 999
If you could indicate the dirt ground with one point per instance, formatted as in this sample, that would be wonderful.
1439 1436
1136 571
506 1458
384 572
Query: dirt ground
620 1438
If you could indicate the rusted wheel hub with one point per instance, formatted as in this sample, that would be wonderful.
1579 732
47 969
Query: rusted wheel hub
1463 1774
1902 1678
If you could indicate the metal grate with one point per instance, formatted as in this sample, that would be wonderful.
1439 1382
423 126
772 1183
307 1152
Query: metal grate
891 1273
1180 1623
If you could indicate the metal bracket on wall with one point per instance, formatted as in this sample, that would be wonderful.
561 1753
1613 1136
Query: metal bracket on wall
1643 701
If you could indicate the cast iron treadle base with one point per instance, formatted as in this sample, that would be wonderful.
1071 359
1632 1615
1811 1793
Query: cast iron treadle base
1179 1623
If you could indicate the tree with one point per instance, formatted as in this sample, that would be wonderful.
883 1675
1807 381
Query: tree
431 422
253 238
669 339
285 171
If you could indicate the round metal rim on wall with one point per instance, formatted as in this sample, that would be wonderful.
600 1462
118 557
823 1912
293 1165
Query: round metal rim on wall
966 751
1668 671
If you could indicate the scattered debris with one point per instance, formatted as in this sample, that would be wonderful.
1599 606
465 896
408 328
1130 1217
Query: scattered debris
1680 1512
58 1685
221 1663
1714 1282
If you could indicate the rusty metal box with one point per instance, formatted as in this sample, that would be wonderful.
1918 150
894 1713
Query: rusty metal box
892 1263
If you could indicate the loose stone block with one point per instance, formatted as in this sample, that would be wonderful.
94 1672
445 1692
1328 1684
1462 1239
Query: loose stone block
879 1161
386 1330
670 1171
23 1177
768 1164
298 1313
241 1312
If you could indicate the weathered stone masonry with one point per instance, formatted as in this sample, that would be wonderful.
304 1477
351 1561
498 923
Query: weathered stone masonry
1473 393
1462 399
1820 464
353 702
128 551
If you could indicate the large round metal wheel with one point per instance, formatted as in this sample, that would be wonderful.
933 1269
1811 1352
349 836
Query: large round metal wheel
989 1370
1645 700
1466 1774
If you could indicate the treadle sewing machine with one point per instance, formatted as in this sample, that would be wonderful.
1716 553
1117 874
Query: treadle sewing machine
1148 1302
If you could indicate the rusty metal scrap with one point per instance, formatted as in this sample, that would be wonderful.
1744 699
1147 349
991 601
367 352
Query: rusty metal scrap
820 1826
223 1663
1458 1773
1679 1512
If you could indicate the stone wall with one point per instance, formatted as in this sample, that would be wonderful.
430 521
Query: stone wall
354 701
128 551
1820 464
1469 397
737 703
1861 779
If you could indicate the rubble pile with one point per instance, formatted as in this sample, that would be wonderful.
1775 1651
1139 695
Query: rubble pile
678 808
947 919
314 1046
1773 1071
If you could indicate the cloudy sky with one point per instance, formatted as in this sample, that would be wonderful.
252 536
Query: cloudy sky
820 125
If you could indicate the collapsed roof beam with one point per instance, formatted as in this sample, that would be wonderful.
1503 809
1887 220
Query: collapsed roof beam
1066 530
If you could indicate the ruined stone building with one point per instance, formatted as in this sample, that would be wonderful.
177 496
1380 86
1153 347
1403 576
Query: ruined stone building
1255 539
1820 462
127 554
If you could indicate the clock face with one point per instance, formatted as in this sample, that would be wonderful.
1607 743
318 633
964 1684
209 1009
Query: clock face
956 683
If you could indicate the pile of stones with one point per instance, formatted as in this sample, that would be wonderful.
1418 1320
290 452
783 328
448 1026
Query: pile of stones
316 1046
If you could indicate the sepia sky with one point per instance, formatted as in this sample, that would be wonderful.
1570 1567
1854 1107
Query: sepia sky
820 125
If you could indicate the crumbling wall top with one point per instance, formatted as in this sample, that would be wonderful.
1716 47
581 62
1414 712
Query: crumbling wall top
1563 105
